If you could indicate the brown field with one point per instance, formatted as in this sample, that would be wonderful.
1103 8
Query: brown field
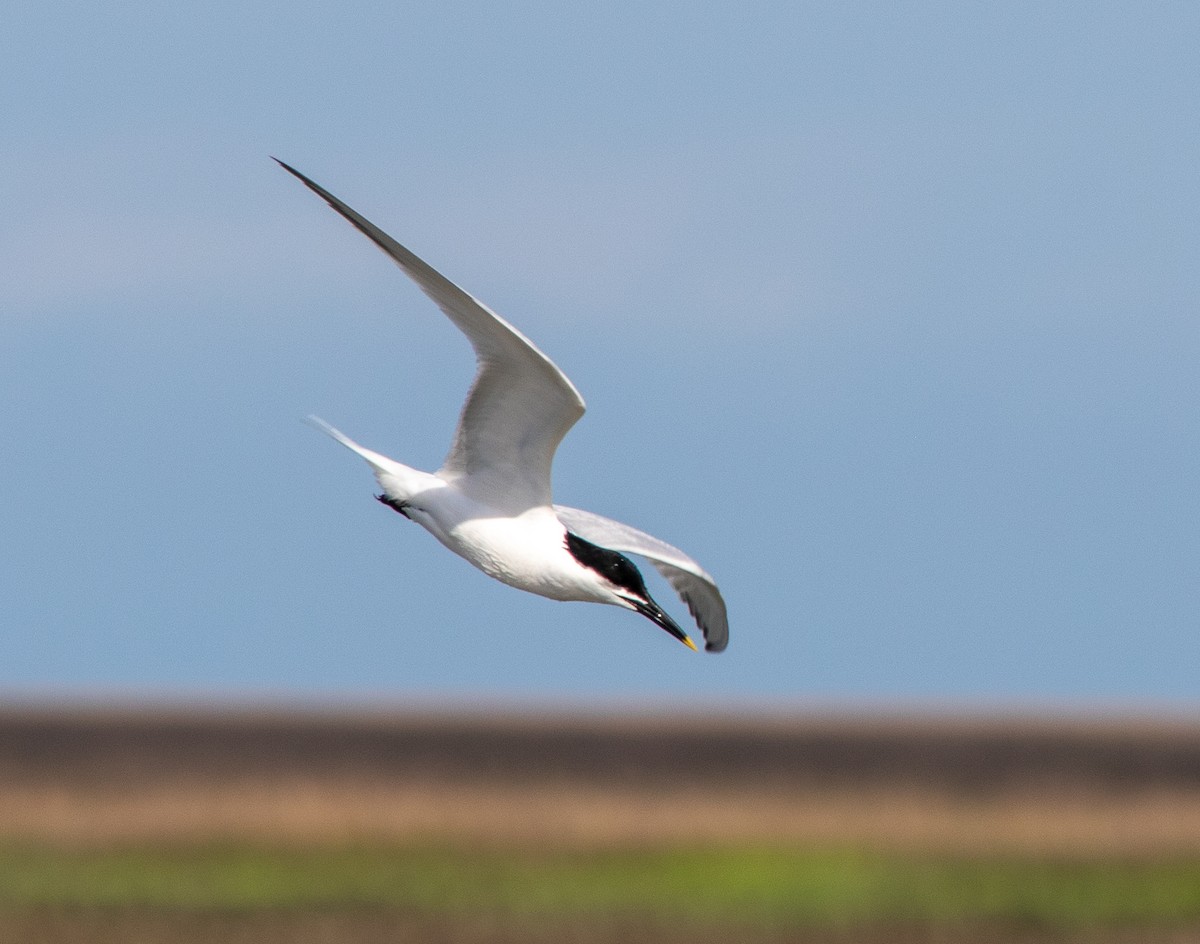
1108 788
1080 787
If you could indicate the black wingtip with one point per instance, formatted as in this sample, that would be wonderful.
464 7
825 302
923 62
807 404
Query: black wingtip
290 169
323 194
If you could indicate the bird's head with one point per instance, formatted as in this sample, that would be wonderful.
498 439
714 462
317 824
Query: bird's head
623 583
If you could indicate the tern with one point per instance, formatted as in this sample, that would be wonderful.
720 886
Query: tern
491 500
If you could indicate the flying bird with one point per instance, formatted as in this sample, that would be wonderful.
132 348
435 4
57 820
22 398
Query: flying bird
490 502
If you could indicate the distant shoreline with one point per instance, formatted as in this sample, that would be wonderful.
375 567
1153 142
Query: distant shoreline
1098 785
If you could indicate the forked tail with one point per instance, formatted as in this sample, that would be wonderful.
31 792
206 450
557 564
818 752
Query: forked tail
379 463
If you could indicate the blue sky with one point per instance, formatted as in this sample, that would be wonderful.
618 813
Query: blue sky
888 313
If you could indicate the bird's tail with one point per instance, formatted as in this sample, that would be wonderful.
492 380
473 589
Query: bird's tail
379 463
398 481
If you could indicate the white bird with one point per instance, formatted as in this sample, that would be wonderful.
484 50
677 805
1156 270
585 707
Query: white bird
490 501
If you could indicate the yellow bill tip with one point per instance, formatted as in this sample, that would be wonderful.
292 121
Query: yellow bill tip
687 641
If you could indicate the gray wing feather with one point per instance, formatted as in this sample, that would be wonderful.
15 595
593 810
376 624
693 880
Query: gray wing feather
520 405
691 581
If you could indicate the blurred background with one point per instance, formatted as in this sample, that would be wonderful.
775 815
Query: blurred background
885 312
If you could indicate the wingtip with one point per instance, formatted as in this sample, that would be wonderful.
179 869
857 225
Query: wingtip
289 168
311 185
324 195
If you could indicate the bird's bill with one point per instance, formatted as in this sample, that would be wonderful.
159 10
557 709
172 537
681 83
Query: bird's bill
653 612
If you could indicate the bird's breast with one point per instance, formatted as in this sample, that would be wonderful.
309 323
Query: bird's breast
527 551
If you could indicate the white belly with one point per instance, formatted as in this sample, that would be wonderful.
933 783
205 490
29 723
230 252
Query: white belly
527 552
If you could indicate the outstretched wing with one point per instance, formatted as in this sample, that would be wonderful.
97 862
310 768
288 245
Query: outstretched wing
691 581
520 404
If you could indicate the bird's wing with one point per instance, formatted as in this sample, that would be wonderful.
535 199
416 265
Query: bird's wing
691 581
520 404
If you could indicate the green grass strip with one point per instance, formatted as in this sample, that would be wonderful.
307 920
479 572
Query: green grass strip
744 886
